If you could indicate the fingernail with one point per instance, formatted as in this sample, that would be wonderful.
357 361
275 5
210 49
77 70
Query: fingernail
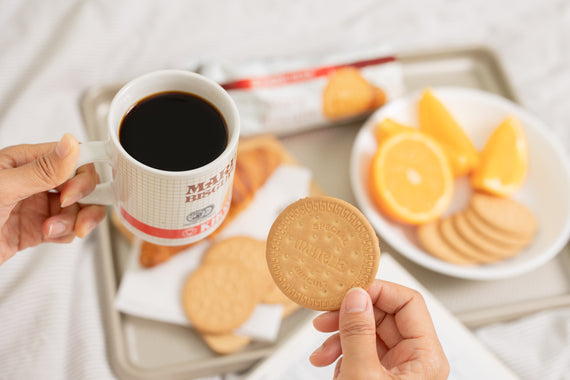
63 147
318 350
56 229
71 199
89 228
355 300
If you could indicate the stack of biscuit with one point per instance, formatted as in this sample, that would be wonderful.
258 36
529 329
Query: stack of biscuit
223 292
489 229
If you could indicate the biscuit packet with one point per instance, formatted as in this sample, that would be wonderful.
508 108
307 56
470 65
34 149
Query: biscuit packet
284 96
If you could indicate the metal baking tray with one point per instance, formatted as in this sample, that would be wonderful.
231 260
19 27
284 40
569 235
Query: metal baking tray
144 349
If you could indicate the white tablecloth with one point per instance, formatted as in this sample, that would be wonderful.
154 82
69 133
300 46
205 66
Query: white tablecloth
52 51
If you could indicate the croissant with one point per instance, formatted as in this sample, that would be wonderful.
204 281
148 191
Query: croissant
253 167
154 254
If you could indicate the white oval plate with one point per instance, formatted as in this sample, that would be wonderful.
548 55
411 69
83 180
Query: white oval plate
546 190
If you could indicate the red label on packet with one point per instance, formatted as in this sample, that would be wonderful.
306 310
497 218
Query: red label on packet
301 75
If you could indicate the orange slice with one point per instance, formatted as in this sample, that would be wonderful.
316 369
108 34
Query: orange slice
389 127
436 121
504 160
410 178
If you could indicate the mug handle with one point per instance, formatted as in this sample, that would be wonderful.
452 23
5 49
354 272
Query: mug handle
96 151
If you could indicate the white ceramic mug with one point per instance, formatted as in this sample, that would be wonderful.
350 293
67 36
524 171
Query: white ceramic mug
165 207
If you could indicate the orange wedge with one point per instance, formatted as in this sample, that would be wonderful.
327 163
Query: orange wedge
410 178
504 160
389 127
436 121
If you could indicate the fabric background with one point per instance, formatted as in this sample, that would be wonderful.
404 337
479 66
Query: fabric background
52 51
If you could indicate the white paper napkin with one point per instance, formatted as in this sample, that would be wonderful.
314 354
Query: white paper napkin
155 293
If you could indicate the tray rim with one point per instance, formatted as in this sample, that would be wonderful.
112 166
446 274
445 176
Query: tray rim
480 51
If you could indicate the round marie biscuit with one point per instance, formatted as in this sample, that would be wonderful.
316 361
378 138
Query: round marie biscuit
225 343
240 248
320 247
504 214
459 244
247 252
218 298
431 240
477 240
274 296
492 234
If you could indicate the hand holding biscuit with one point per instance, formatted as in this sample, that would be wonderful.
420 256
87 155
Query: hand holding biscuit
384 333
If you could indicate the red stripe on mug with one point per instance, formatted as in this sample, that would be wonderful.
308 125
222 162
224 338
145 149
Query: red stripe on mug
175 234
299 76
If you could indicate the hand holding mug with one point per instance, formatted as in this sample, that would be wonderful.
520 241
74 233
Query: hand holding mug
172 169
30 213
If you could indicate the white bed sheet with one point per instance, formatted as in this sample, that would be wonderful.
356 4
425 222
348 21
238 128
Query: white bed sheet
52 51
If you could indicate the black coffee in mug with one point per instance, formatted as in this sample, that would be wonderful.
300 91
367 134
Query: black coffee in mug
174 131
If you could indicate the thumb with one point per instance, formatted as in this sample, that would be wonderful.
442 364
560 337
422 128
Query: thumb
47 171
357 329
